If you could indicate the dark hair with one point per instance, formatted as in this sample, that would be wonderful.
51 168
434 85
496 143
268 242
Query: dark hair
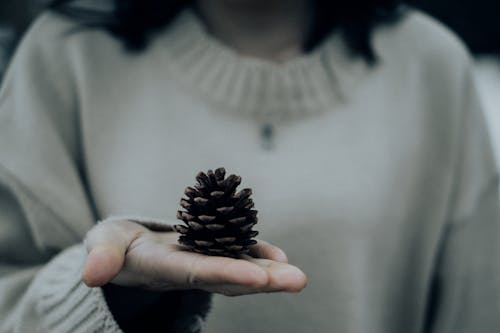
135 22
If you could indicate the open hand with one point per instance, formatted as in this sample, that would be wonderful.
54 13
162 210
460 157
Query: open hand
128 254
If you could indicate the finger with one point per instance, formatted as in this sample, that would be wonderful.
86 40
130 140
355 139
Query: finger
107 244
282 277
266 250
190 270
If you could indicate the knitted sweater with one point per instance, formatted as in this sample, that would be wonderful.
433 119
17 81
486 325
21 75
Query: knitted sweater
379 182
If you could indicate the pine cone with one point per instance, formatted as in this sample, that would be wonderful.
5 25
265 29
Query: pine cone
219 220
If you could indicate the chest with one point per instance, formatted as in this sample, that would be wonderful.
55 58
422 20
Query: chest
143 151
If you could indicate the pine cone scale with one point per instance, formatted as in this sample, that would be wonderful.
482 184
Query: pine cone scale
214 227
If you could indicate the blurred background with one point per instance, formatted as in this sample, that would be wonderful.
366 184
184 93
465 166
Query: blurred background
477 22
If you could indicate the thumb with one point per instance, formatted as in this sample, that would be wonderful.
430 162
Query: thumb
107 244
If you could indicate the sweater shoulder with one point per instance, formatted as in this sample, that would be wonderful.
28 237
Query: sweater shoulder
48 31
57 38
420 39
43 47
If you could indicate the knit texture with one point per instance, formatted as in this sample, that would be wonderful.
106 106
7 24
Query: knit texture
258 88
69 305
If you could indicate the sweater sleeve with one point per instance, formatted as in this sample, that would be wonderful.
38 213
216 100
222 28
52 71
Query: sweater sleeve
44 211
466 288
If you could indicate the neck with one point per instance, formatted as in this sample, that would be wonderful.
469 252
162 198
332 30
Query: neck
274 30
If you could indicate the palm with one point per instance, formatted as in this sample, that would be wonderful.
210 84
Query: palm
162 264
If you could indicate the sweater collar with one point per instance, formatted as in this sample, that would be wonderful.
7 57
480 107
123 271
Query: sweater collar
267 91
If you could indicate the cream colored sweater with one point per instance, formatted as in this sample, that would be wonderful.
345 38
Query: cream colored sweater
378 182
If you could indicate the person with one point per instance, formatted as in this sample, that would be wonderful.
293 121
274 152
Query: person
149 283
356 124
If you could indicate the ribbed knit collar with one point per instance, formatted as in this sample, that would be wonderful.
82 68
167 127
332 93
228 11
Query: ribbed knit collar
270 92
